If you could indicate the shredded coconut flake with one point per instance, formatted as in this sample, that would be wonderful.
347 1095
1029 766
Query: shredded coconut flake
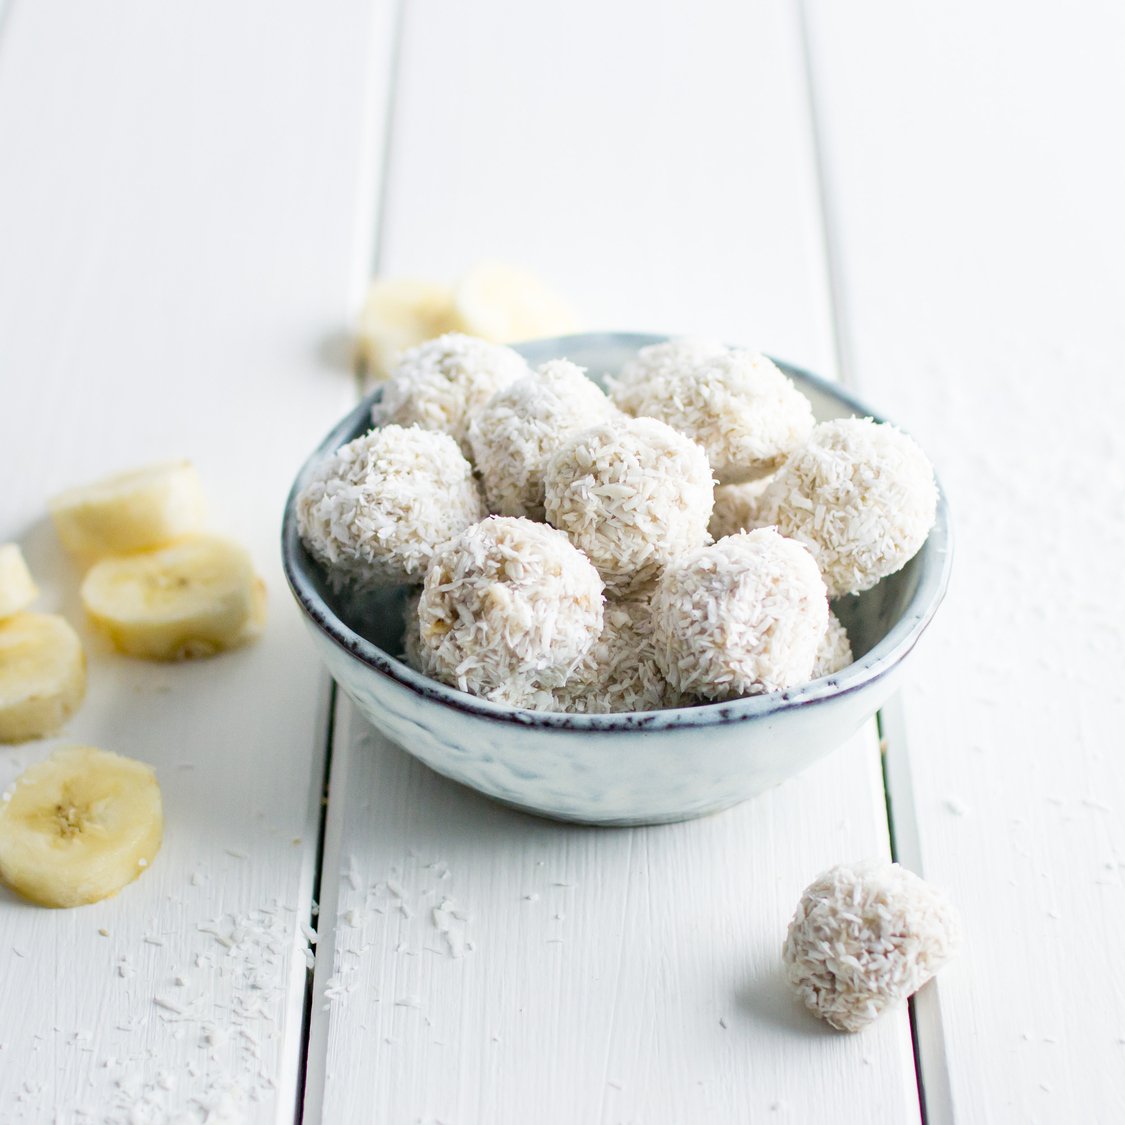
738 405
633 495
865 937
377 508
442 383
835 651
737 508
508 606
741 617
860 495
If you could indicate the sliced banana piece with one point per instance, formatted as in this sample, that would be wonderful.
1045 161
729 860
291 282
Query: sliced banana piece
42 675
194 598
132 511
505 304
79 826
399 313
17 587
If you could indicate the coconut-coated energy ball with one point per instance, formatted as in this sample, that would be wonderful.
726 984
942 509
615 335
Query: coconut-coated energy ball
741 617
834 653
620 672
522 425
376 508
860 495
737 508
865 937
633 495
507 608
738 405
441 384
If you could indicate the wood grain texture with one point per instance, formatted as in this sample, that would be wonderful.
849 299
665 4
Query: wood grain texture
183 195
611 976
982 244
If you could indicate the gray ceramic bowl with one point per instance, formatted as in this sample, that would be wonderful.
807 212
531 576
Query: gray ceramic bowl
639 768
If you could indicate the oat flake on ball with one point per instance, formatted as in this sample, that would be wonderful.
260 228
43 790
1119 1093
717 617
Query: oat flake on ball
376 508
865 937
633 495
738 405
441 384
860 495
508 607
741 617
522 425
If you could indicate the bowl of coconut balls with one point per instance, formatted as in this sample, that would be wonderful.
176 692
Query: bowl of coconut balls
614 578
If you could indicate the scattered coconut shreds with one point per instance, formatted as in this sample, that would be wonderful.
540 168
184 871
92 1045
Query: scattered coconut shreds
834 653
737 508
633 495
865 937
376 508
738 406
442 383
860 495
523 425
743 616
507 606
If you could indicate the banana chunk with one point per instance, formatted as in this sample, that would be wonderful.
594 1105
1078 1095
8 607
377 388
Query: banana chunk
42 675
132 511
504 304
194 598
79 826
398 314
17 587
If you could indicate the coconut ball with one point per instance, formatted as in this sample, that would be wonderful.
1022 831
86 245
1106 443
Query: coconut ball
377 507
737 508
864 938
741 617
507 608
522 425
861 496
633 495
441 384
739 406
620 672
835 651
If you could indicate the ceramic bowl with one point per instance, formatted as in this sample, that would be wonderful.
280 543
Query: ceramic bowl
637 768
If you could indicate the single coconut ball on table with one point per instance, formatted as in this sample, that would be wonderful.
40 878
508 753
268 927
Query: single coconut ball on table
509 607
738 405
834 653
741 617
860 495
865 937
521 426
620 672
375 509
441 384
633 495
738 507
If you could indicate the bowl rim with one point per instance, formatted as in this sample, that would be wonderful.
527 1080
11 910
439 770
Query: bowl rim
871 667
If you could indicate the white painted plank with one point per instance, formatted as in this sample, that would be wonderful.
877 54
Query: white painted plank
183 197
645 166
981 239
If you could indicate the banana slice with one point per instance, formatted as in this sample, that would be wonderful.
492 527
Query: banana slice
132 511
79 826
194 598
399 313
504 304
17 587
42 675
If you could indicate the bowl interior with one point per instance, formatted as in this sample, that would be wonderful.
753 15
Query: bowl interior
882 623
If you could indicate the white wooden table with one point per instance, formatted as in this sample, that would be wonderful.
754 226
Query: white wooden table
925 200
